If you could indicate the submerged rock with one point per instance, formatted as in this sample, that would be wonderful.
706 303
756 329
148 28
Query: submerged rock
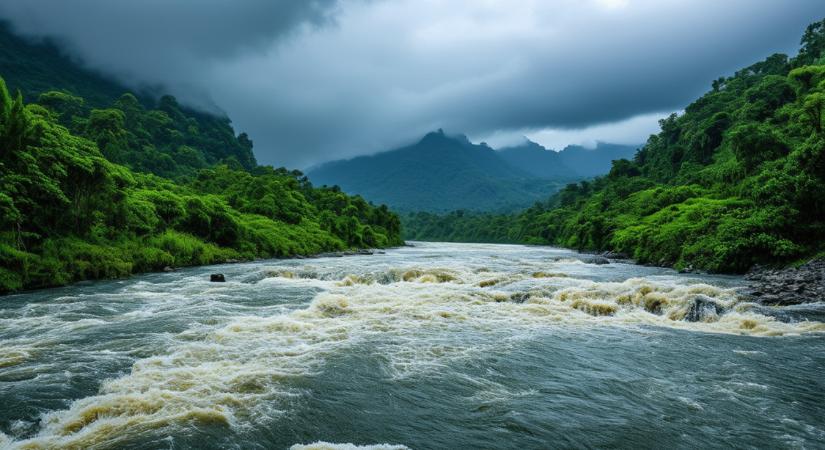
702 308
519 297
217 278
599 260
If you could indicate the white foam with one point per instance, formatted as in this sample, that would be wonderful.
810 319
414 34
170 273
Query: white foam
321 445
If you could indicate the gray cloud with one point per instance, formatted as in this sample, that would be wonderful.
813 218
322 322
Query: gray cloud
171 43
312 81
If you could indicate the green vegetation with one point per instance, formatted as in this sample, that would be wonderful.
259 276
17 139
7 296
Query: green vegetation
90 193
458 226
737 180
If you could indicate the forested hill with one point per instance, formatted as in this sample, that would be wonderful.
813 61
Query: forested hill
145 133
104 186
39 66
440 172
736 180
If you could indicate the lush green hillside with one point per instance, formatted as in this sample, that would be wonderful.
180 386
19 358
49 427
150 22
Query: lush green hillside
146 135
573 161
737 180
438 173
68 213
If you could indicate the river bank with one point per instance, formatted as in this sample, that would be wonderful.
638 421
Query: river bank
788 286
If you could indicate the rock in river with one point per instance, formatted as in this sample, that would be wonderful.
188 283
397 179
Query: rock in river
703 308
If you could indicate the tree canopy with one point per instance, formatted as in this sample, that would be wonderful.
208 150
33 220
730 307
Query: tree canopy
104 192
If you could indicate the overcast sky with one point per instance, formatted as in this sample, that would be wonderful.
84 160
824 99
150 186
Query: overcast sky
317 80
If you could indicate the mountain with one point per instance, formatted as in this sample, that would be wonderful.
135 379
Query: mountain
735 181
537 161
437 173
573 162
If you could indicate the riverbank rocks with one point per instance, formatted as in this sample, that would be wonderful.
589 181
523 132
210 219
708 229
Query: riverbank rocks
688 269
790 286
168 269
361 252
614 255
217 278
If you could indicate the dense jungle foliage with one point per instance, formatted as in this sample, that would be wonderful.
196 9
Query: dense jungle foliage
88 192
737 180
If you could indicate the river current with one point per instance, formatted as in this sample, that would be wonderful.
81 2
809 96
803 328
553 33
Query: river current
432 346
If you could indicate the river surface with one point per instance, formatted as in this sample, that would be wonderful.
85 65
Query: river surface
429 347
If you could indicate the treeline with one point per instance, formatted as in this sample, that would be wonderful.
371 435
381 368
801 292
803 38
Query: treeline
90 193
736 180
458 226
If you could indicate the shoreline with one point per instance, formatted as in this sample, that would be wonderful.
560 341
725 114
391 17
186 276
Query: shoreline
169 269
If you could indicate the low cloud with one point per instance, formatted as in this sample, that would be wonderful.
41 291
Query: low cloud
312 81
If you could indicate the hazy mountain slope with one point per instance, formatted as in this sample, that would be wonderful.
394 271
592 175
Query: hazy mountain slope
438 173
571 163
536 160
594 162
34 67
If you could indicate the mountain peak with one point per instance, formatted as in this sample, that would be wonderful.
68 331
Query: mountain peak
439 136
440 172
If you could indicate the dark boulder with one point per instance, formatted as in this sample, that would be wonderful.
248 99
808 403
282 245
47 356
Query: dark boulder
217 278
702 307
599 260
519 297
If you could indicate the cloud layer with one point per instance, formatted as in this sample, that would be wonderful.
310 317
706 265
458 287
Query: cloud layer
324 79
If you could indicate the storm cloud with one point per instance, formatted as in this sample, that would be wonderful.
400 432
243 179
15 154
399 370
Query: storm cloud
318 80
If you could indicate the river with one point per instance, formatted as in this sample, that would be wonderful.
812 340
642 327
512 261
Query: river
432 346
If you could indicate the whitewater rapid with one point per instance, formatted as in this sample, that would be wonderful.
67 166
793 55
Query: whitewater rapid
172 360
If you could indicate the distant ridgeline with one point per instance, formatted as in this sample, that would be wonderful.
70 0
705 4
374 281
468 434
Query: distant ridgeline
574 161
442 173
98 185
737 180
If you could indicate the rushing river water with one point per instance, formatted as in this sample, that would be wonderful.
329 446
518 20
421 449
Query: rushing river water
436 346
